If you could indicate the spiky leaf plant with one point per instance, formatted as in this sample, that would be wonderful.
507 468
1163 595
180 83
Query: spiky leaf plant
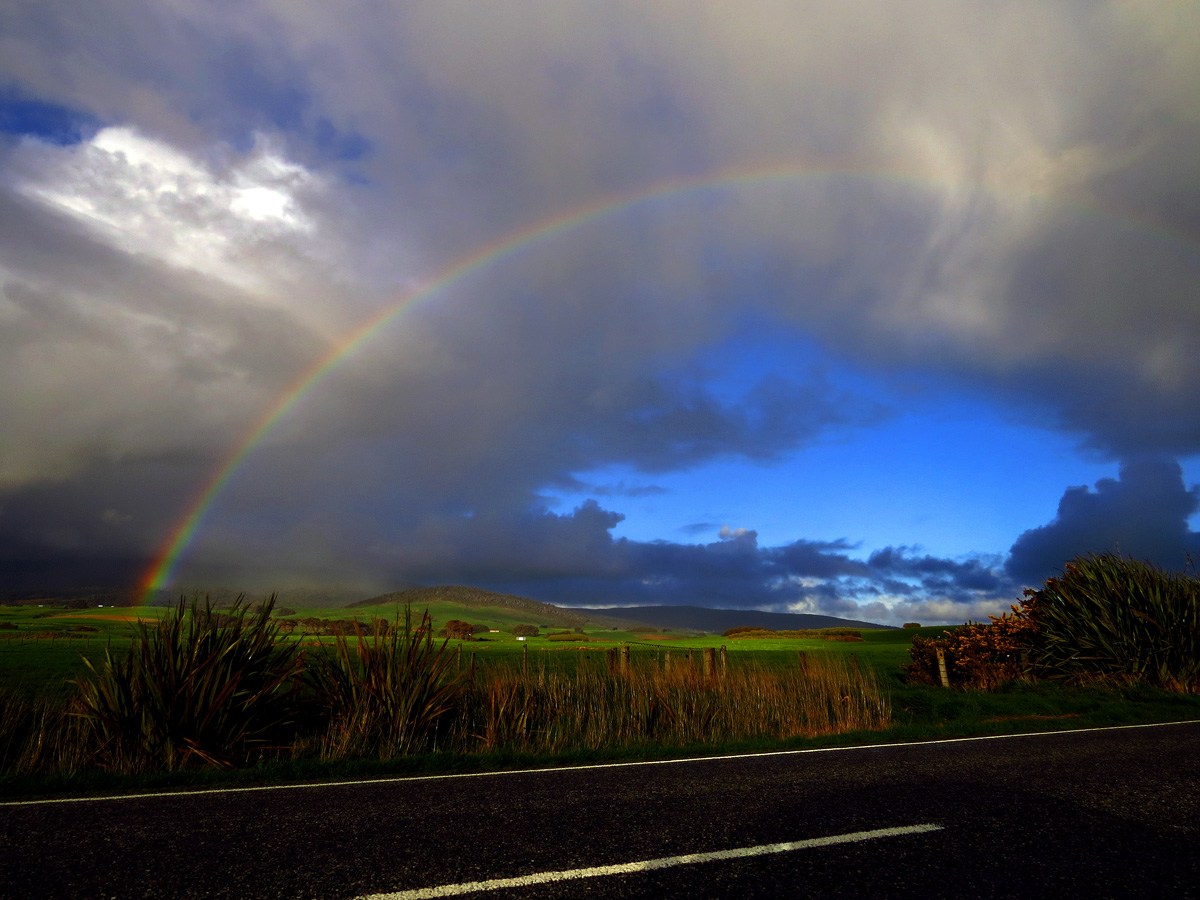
1110 618
387 691
199 687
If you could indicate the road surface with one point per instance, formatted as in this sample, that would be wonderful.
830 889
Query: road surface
1103 813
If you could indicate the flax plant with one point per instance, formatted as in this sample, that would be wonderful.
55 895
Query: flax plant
1108 618
387 692
199 687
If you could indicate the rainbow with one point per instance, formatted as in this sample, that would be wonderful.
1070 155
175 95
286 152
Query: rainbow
161 572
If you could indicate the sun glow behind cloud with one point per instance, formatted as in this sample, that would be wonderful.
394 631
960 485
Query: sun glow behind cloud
148 198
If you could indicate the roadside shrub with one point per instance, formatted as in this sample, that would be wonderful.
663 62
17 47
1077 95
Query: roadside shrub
1108 618
823 634
457 629
196 688
978 655
526 630
743 631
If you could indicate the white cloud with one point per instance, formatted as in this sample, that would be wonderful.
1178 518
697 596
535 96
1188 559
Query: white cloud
147 198
154 300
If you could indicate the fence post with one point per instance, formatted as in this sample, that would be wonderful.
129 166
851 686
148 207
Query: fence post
624 659
708 661
943 675
724 662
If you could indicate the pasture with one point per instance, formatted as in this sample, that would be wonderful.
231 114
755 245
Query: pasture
593 691
41 647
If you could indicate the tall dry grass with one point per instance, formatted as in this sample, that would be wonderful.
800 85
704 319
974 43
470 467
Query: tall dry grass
554 711
40 734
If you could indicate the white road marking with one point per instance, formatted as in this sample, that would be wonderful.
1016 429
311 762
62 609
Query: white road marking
370 782
646 865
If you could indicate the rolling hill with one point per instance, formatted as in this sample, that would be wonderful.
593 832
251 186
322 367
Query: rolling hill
532 611
516 608
676 618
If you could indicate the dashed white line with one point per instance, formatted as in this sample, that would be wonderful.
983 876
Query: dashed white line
646 865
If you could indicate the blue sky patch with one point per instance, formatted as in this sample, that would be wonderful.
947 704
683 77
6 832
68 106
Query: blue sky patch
48 122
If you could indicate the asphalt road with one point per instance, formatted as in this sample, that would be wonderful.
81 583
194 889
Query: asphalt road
1113 813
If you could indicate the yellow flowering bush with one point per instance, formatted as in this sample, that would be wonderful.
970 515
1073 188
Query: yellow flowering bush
980 655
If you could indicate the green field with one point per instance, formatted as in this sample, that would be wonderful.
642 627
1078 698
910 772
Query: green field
42 647
41 650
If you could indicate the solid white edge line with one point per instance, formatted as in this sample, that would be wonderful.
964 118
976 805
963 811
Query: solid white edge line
646 865
367 782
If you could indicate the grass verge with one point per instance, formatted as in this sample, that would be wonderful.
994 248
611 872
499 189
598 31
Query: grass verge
921 713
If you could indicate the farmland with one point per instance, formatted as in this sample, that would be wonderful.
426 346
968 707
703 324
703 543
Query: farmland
41 646
524 684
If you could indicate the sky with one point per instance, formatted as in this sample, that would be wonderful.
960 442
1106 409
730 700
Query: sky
874 310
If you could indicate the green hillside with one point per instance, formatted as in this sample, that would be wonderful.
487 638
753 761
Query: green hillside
480 606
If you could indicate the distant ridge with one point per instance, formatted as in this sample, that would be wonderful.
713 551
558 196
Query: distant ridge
703 618
627 618
541 613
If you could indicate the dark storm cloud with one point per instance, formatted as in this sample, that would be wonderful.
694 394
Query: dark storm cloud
91 529
573 559
1006 203
817 559
659 425
937 577
1143 514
